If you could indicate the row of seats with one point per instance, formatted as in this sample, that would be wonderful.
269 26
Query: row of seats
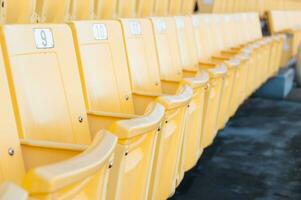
161 87
260 6
55 11
286 22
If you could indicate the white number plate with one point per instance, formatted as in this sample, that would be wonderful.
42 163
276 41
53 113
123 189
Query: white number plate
135 28
161 26
43 38
100 31
180 22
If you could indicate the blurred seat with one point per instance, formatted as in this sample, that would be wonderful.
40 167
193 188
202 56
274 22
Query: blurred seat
161 7
126 8
187 7
172 79
175 7
18 11
146 84
105 9
54 156
145 8
52 11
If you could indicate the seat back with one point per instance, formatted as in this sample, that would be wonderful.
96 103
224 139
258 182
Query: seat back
175 7
11 155
168 48
103 66
18 11
81 10
105 9
45 83
187 7
54 11
145 8
187 45
215 29
161 7
142 56
126 8
205 43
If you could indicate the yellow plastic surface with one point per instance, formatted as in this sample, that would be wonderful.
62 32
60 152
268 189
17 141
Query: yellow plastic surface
145 78
175 7
171 79
49 137
126 8
105 9
145 8
110 104
54 11
18 11
187 7
161 7
81 9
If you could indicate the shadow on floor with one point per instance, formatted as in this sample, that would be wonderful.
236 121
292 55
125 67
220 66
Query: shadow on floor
257 156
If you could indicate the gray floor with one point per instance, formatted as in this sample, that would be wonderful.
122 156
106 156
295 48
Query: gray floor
257 156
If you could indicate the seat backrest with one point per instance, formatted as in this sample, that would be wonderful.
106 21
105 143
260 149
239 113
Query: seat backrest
145 8
218 6
187 44
11 155
205 43
187 7
168 49
45 83
142 56
161 7
175 7
103 66
81 10
215 28
126 8
105 9
53 11
228 6
18 11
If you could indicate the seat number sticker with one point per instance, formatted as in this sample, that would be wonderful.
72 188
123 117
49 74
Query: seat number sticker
161 26
100 32
135 28
43 38
180 22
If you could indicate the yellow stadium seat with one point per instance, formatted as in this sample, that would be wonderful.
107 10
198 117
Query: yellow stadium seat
54 11
109 101
187 7
99 42
171 80
16 11
126 8
105 9
175 7
145 78
161 7
81 10
191 68
54 157
145 8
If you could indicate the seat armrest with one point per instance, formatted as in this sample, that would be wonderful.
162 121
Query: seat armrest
176 101
142 125
201 79
10 191
51 178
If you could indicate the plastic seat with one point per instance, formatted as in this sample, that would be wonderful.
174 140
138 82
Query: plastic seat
147 86
145 8
108 104
54 11
187 7
12 191
161 7
105 9
54 157
191 68
81 10
175 7
18 11
126 8
172 79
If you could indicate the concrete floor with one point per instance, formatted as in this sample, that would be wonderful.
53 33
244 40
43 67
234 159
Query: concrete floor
257 156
